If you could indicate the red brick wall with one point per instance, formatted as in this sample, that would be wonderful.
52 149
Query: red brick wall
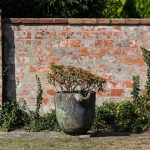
107 47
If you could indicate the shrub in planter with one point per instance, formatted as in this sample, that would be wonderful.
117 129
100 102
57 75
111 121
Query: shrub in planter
75 97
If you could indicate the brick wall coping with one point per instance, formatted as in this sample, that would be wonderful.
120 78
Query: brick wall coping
86 21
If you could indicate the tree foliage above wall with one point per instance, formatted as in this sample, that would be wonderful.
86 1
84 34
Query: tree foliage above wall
75 8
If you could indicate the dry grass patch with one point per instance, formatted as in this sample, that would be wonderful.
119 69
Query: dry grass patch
74 143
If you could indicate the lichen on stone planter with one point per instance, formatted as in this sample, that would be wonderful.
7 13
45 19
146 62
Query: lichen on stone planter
74 117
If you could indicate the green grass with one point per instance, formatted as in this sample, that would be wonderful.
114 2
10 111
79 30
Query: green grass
75 143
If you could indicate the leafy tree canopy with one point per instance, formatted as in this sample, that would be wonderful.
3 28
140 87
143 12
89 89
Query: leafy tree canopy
75 8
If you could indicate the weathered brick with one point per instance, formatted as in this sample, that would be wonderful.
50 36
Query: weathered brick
114 84
23 60
84 51
43 68
103 21
50 59
87 28
108 43
39 60
75 43
132 21
113 51
70 35
60 20
19 76
103 93
93 35
62 35
108 76
118 21
28 42
129 51
75 21
48 44
127 60
48 51
39 35
68 28
143 69
33 69
99 53
24 93
28 85
89 21
145 21
50 92
77 59
108 35
38 42
53 35
44 20
37 51
117 28
85 35
30 100
127 84
45 101
117 35
139 61
100 68
145 35
135 43
47 68
64 43
98 43
117 92
26 20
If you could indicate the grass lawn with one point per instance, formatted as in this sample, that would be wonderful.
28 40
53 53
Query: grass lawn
75 143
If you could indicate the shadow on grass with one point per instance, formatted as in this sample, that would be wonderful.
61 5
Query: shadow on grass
106 134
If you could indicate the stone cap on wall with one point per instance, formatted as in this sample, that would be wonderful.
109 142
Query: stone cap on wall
77 21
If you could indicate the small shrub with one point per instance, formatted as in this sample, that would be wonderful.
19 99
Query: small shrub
49 122
124 116
34 120
135 88
104 117
12 116
142 114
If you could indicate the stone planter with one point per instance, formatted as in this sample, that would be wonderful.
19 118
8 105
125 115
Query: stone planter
74 112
